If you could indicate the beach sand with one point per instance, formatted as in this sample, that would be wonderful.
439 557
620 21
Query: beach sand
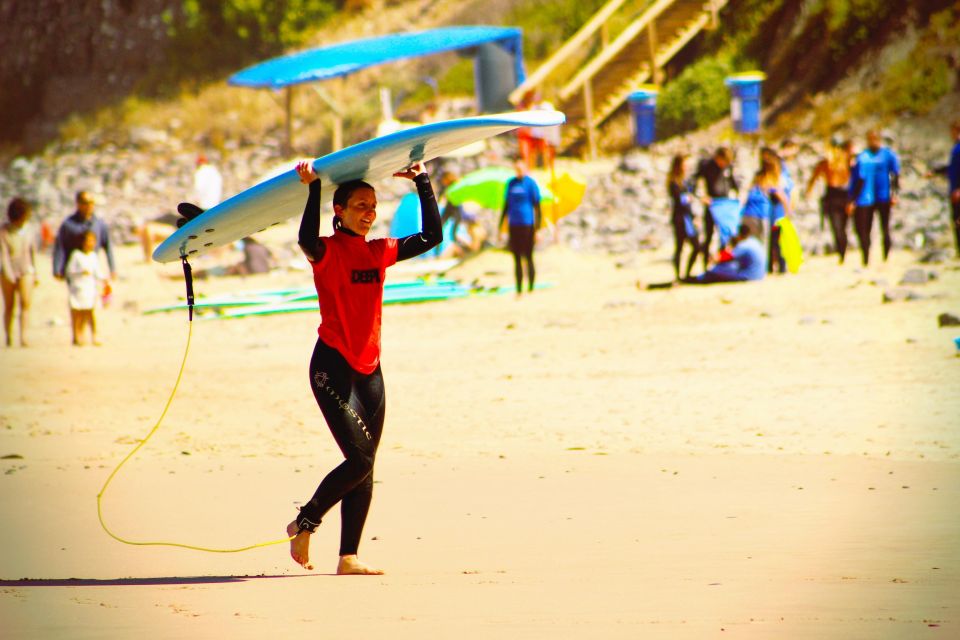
768 460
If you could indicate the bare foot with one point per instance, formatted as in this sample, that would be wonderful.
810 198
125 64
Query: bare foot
299 545
351 566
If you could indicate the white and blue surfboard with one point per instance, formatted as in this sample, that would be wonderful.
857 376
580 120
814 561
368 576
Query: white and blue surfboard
272 201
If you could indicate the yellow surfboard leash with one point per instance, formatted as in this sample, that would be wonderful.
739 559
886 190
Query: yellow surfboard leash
188 276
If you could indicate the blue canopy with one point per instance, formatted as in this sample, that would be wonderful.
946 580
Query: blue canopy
347 57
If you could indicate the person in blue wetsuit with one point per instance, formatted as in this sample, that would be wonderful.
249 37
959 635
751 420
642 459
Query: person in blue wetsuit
680 189
874 183
952 171
744 262
521 209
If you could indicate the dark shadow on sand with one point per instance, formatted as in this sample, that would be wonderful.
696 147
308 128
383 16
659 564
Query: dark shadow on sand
138 582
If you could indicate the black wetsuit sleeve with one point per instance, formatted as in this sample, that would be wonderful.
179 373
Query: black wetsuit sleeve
432 234
309 236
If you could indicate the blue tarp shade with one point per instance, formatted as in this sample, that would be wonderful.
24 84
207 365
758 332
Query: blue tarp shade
348 57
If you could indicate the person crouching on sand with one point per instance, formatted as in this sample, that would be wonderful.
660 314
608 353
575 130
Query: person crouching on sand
345 375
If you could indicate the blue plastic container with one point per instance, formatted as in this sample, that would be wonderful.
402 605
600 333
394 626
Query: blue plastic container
643 106
745 100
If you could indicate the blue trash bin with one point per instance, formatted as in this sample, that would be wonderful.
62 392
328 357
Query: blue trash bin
745 100
643 106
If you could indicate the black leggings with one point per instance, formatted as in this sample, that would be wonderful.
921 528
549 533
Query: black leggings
353 405
863 222
681 237
834 208
707 236
521 245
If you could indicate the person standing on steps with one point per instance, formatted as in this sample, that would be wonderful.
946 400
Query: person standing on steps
345 373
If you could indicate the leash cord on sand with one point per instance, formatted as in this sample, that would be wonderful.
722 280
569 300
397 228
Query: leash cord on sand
142 443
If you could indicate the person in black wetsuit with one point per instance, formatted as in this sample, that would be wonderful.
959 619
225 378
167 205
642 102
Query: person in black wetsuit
718 178
680 189
834 168
345 373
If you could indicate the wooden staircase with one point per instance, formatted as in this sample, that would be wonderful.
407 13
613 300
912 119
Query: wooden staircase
591 75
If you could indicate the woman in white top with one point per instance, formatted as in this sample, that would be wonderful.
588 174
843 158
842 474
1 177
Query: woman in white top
18 267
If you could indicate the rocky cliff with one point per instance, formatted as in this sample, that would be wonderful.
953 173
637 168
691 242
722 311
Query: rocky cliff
58 57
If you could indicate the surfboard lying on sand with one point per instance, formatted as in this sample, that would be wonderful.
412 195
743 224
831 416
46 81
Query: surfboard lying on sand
271 202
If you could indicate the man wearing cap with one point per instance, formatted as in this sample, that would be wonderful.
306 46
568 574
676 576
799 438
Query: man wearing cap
72 230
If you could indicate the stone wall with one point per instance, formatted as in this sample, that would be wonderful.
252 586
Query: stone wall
62 56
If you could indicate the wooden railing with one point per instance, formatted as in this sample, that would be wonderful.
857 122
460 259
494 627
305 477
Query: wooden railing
590 76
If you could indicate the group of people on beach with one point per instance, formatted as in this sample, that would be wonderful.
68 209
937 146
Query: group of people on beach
858 186
75 261
349 271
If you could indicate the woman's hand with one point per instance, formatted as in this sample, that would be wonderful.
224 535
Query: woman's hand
306 172
411 172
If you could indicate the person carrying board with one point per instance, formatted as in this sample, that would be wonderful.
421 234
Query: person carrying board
345 370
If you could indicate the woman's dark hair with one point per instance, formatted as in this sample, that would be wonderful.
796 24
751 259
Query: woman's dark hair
18 209
342 196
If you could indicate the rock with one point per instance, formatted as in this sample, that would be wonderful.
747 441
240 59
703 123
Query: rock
896 295
948 320
917 276
935 256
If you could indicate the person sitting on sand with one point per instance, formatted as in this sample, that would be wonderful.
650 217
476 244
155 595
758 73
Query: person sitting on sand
345 375
745 261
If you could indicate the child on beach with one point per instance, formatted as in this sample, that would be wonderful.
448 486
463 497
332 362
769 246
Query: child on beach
18 267
86 278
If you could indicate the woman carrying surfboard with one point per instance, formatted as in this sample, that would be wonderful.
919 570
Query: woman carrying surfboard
345 370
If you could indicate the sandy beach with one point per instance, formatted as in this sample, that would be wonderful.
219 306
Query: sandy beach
768 460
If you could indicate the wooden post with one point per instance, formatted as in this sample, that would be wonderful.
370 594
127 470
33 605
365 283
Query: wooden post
655 74
289 118
588 107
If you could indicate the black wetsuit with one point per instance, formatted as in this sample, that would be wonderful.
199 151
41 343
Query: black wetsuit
683 228
353 403
833 205
719 183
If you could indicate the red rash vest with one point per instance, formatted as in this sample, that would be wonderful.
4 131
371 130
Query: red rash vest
349 280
